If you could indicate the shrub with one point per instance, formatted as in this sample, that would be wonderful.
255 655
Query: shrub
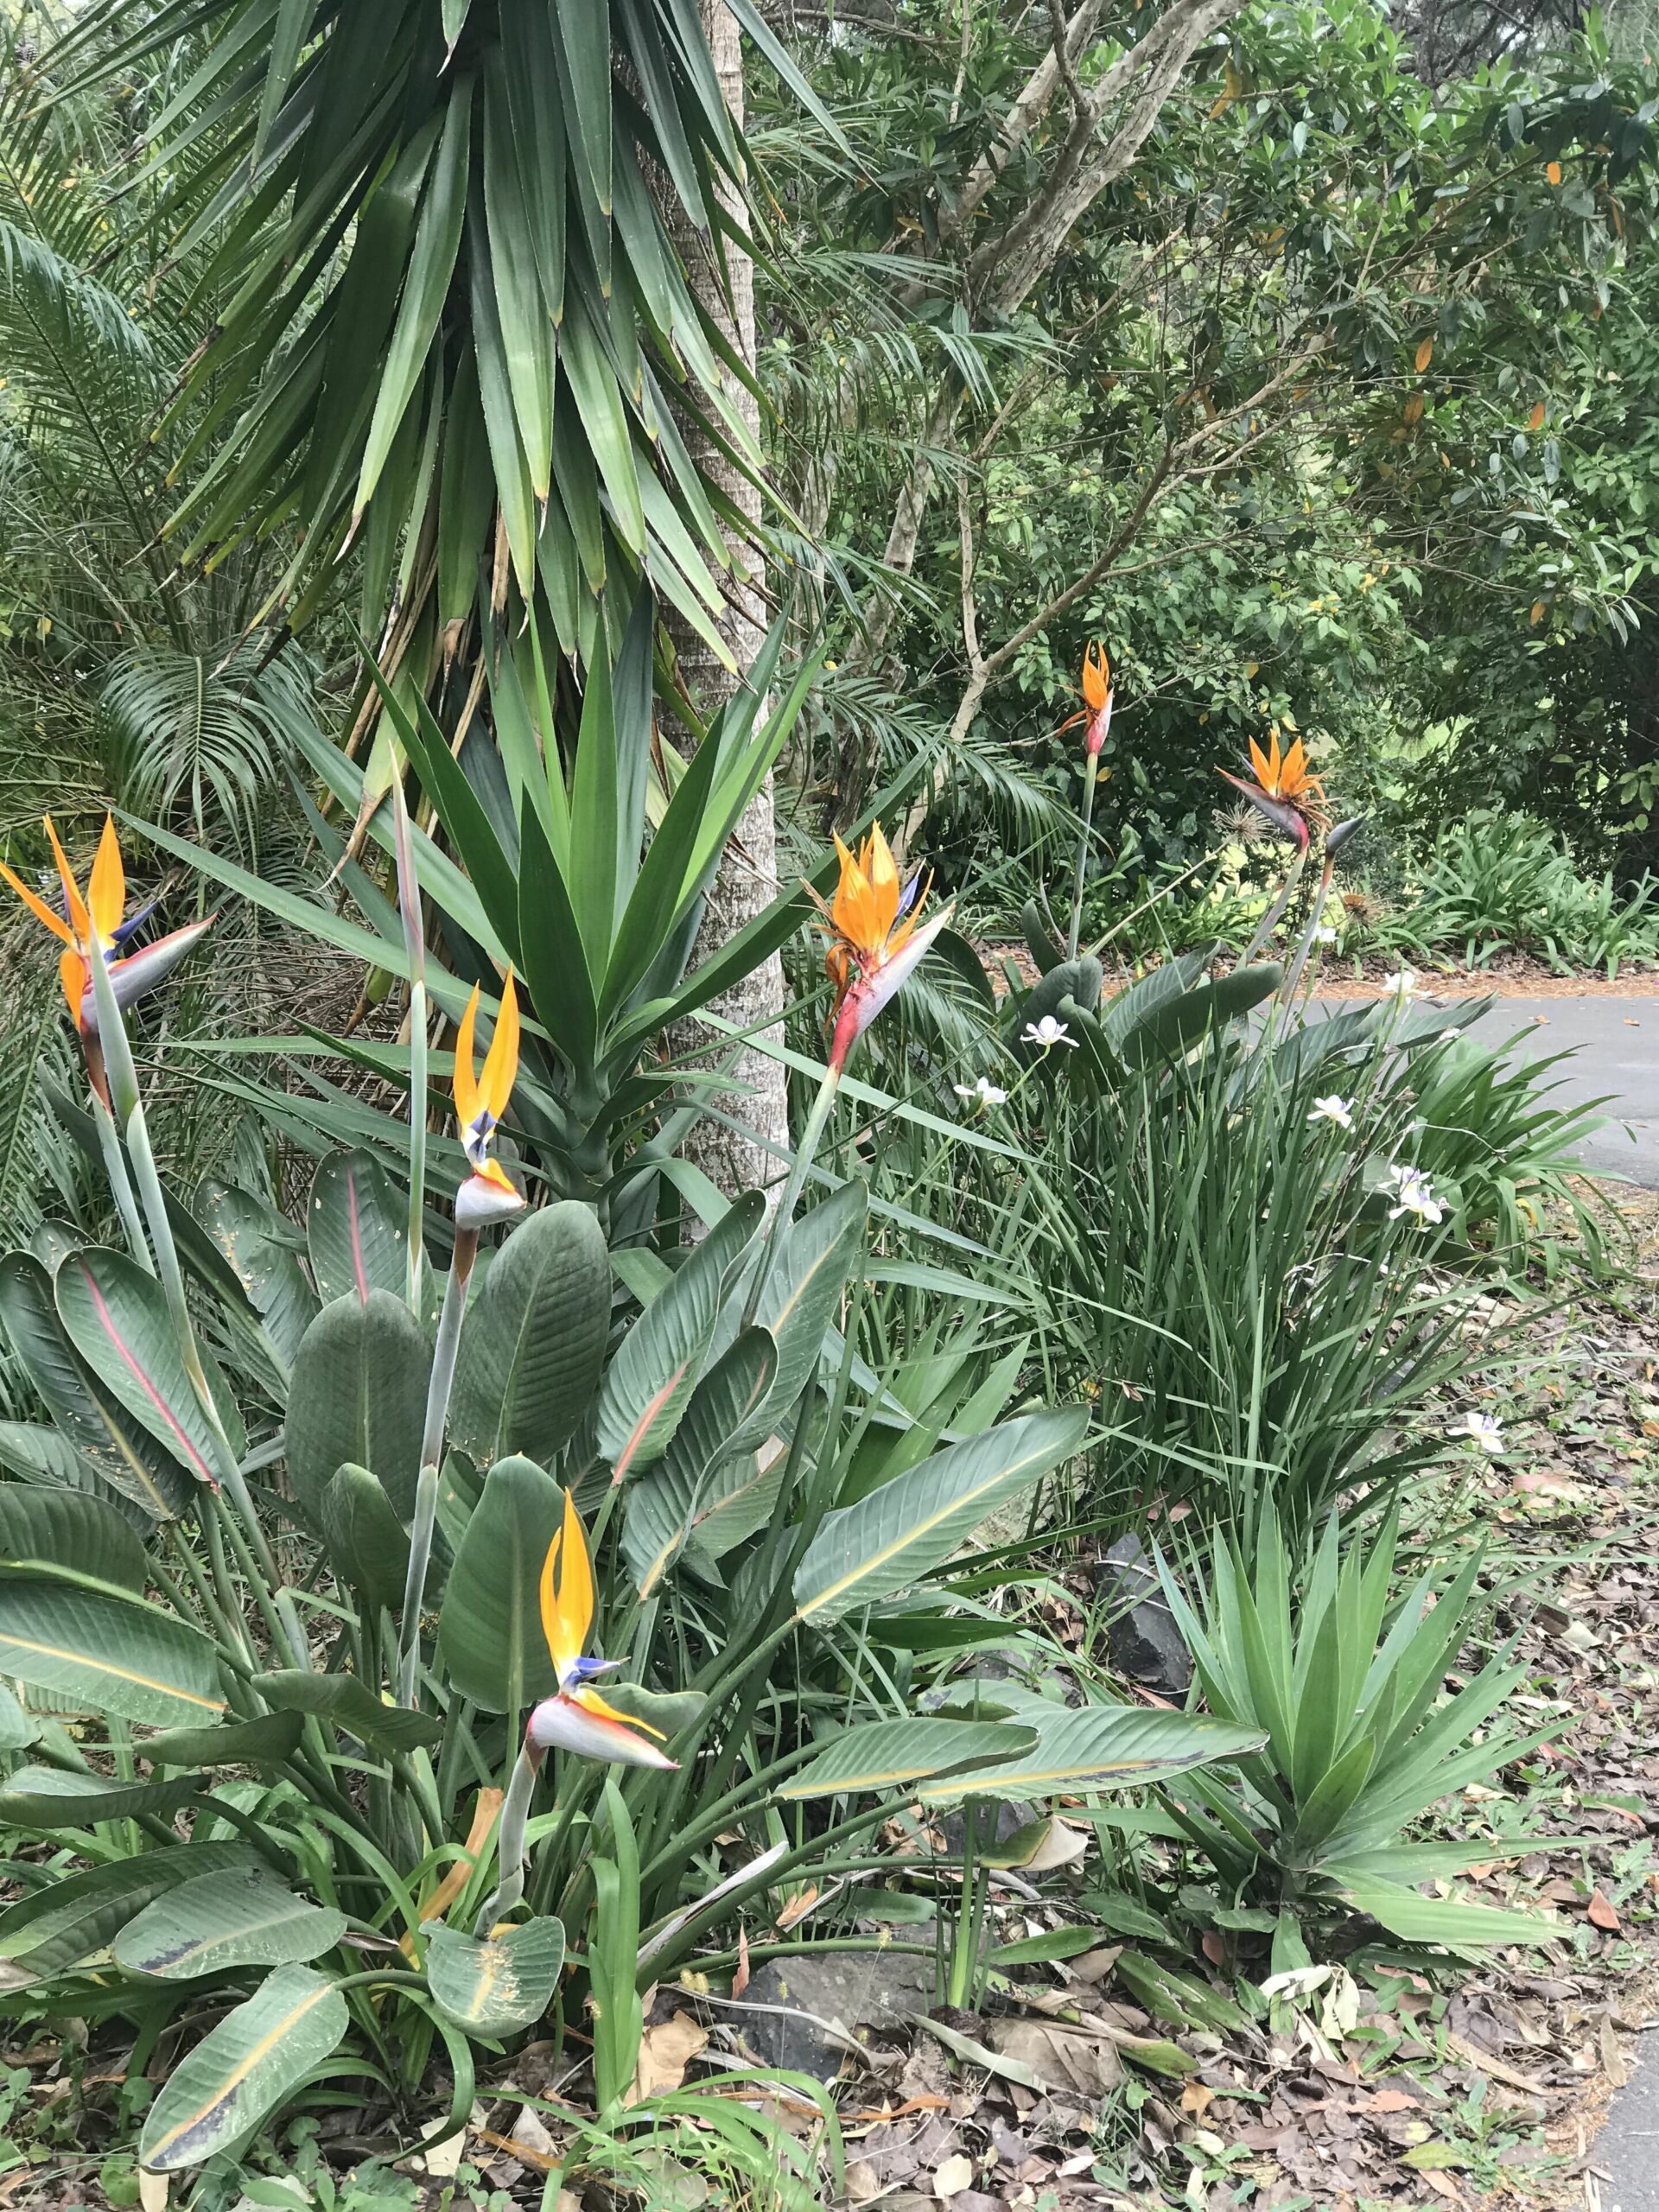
1363 1738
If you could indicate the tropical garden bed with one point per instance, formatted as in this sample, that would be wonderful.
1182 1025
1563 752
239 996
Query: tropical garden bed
671 1536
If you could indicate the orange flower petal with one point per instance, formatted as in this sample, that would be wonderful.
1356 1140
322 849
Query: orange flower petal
501 1062
464 1083
79 920
107 892
37 906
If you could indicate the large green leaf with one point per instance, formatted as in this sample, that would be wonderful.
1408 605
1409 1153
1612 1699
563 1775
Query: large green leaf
496 1987
888 1754
57 1528
270 1736
1098 1746
1414 1919
66 1921
240 1917
18 1729
358 1394
357 1229
57 1797
532 1345
250 1235
116 1316
803 1293
110 1655
491 1629
910 1525
1172 1028
241 2071
649 1382
351 1705
664 1503
119 1449
367 1544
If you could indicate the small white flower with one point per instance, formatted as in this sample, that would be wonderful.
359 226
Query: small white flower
1484 1430
1048 1031
1339 1110
1401 985
984 1092
1326 935
1416 1196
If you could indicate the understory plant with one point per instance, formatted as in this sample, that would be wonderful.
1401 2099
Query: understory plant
307 1587
1347 1675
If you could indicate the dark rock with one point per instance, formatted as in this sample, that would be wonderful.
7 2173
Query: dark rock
819 2003
1145 1643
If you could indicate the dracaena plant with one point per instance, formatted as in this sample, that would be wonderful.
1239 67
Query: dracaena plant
1347 1675
577 848
319 1559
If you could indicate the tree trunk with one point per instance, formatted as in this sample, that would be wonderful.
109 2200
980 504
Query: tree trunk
735 1158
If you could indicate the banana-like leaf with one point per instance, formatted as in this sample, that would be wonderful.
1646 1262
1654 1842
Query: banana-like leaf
116 1316
65 1922
664 1503
667 1711
55 1798
532 1345
805 1290
269 1737
1145 999
242 1918
357 1229
249 1234
351 1705
120 1451
889 1754
55 1528
367 1544
222 2090
910 1526
497 1987
18 1729
358 1394
1171 1029
109 1654
491 1627
1097 1747
649 1382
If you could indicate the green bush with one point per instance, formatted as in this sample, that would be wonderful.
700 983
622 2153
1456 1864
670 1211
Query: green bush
1363 1739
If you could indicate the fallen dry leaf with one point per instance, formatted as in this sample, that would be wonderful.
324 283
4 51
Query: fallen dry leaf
955 2174
1195 2097
1063 1845
1058 2057
1600 1914
862 2182
666 2051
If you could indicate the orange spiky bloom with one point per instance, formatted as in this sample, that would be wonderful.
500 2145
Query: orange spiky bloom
874 940
489 1193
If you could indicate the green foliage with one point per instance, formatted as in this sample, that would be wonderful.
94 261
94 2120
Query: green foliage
1347 1678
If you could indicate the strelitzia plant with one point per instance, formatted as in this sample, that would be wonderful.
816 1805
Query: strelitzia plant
320 1594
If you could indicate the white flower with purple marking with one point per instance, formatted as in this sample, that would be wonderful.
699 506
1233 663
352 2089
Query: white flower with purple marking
1401 985
1483 1430
1413 1195
1339 1110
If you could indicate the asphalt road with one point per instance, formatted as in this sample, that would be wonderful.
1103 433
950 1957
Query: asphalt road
1615 1045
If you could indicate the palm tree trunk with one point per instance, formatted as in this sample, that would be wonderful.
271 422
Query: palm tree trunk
735 1159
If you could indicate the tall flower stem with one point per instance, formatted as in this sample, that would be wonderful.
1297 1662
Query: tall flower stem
115 1165
1316 915
1268 921
426 1487
823 1106
1090 770
409 906
127 1109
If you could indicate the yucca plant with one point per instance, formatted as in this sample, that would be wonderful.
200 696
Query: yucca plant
301 1606
448 300
1348 1677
